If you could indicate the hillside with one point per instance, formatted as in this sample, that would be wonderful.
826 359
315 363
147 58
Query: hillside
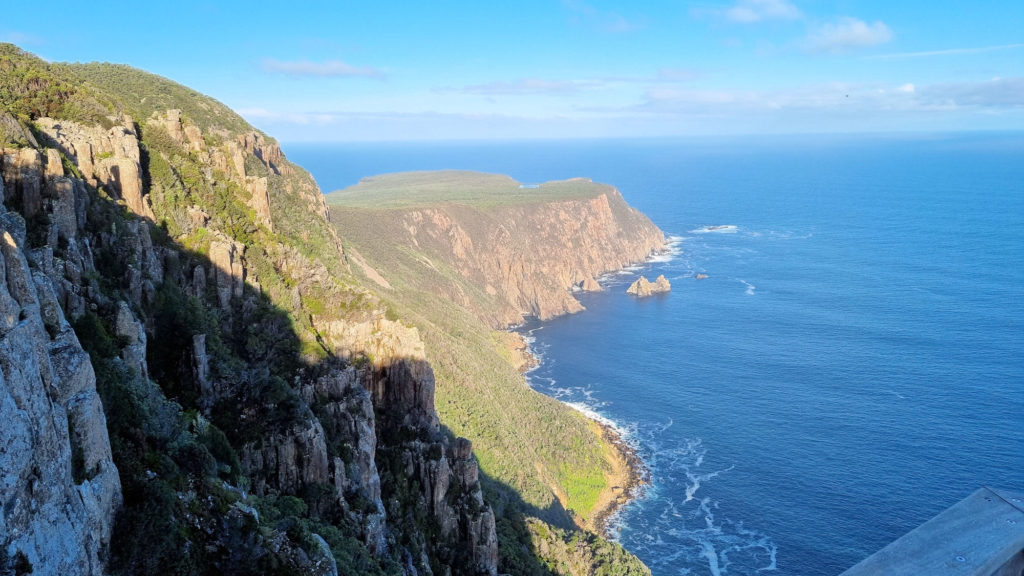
464 255
195 380
257 412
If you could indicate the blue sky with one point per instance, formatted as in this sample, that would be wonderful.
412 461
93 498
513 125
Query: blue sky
344 71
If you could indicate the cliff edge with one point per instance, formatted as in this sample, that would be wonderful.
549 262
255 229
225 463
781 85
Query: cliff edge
518 251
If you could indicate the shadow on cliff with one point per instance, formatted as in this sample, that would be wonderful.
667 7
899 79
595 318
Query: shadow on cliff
518 553
197 367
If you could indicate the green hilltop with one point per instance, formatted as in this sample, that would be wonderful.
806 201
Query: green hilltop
416 189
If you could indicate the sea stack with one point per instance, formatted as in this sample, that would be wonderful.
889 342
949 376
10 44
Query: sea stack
644 287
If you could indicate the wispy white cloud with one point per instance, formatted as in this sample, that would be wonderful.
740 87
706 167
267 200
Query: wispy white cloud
677 75
605 20
847 34
329 68
572 87
947 52
758 10
527 86
994 93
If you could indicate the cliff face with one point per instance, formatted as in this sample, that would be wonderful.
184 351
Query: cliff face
59 487
263 414
462 254
530 257
522 258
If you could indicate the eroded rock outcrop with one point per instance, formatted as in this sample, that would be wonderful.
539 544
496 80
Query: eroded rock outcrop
109 158
642 287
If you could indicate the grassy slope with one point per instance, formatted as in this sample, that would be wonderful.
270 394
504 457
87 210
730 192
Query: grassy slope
524 439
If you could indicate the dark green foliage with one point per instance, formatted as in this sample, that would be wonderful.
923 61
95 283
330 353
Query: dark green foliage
30 88
176 318
94 336
18 565
37 228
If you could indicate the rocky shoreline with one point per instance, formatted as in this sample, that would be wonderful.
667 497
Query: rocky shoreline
630 476
629 473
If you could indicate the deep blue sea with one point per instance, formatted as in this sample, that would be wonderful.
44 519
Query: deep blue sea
852 365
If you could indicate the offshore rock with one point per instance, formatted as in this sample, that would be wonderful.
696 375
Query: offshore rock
643 287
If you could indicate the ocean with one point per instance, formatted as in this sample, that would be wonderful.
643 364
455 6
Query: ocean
852 364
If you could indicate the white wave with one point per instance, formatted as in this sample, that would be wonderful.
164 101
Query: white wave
589 412
721 229
673 248
750 288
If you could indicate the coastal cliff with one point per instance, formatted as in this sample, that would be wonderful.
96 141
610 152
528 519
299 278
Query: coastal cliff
521 251
200 378
193 379
463 255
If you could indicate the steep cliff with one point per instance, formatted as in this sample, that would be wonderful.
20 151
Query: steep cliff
59 487
517 251
461 254
263 414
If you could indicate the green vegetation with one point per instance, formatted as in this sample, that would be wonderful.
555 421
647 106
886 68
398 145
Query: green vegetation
533 443
31 88
186 504
416 189
140 94
574 552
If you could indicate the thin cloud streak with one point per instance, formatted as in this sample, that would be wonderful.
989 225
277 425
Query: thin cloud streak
527 86
998 94
329 68
947 52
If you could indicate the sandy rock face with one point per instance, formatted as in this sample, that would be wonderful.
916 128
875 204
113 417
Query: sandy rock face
105 157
